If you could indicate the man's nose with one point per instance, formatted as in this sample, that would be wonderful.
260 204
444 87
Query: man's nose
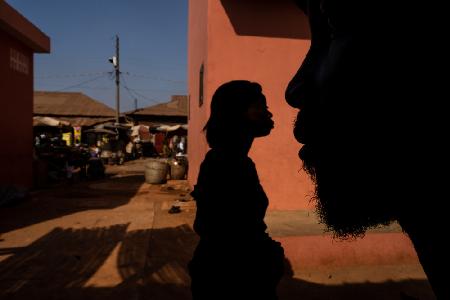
297 91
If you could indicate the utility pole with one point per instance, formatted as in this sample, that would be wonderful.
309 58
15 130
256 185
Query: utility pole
117 67
135 104
115 61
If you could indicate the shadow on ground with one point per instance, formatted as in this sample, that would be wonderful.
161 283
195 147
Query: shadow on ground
295 289
67 199
151 265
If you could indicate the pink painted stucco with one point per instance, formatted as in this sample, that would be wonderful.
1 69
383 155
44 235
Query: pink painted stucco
266 41
314 251
234 47
197 54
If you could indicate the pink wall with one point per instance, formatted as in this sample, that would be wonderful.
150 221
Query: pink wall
311 252
247 48
265 41
197 55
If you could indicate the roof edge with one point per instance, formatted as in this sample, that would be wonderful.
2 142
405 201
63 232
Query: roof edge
21 28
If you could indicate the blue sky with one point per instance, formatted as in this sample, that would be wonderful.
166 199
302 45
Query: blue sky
153 47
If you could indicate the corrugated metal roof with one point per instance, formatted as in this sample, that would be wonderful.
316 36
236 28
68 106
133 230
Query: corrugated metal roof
178 106
71 104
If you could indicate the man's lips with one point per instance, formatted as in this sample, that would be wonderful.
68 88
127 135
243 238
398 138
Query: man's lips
299 130
306 126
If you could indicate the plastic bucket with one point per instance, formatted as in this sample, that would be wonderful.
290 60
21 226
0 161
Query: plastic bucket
177 171
156 171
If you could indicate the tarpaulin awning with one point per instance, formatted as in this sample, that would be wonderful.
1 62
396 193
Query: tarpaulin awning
139 129
48 121
172 128
101 130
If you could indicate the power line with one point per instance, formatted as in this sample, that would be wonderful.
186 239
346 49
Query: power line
69 75
129 92
143 61
147 98
155 78
173 91
105 88
141 97
80 84
132 91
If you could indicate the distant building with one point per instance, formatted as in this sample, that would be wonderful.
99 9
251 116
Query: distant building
73 107
170 113
68 114
19 40
164 120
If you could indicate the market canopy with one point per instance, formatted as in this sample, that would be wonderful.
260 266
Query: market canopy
101 130
48 121
139 130
168 128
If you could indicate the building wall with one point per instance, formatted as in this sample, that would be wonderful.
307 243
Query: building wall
197 55
16 122
262 41
265 41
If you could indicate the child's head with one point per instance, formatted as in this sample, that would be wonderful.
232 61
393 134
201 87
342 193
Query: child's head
237 108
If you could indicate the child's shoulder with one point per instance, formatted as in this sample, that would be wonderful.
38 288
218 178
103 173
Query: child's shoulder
218 157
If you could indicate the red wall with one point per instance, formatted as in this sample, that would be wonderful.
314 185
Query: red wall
16 122
262 41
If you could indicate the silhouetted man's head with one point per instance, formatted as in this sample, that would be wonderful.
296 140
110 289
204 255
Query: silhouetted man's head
352 112
372 120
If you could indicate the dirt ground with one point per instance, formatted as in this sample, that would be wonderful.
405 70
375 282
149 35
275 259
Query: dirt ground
115 239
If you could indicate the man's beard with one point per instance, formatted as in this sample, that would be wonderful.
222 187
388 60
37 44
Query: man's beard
349 193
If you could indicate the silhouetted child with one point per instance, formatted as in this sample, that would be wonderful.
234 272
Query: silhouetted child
235 257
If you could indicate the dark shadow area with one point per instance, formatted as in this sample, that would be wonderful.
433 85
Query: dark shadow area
267 18
291 288
63 200
152 265
63 258
164 273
